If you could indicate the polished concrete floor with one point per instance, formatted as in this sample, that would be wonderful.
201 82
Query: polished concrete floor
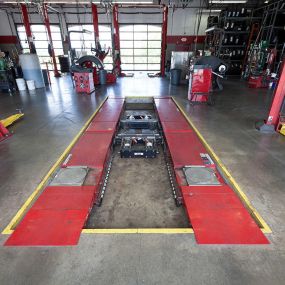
256 160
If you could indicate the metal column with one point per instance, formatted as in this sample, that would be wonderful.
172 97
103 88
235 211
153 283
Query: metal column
163 41
116 40
26 22
95 23
47 24
274 113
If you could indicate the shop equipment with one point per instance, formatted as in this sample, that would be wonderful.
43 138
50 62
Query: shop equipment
84 82
275 117
204 77
215 211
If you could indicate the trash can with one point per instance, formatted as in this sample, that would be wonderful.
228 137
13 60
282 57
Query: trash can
175 75
45 75
102 76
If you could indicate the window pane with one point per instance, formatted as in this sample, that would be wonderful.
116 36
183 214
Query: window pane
128 52
126 28
41 45
38 28
140 28
58 52
127 36
127 66
154 36
140 36
153 66
22 36
140 52
127 44
139 59
154 44
42 52
154 28
76 44
104 28
140 44
105 36
57 44
127 59
154 52
140 66
40 36
108 66
155 59
56 37
55 28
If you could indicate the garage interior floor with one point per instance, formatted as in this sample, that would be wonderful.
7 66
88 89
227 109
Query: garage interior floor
138 195
52 119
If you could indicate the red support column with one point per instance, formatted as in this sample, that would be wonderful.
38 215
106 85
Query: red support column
95 23
274 113
163 41
47 24
26 22
116 38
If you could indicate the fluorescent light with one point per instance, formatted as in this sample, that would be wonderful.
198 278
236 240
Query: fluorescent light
227 1
213 11
82 2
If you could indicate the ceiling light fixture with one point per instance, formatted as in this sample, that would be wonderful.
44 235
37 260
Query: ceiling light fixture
227 1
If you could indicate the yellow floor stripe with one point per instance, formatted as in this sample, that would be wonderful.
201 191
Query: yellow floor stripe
264 226
140 231
9 228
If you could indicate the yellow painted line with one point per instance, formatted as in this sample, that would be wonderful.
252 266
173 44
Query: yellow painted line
9 228
264 226
140 231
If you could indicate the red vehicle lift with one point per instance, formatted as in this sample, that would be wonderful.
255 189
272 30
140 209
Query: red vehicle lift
95 23
26 22
163 41
47 24
272 121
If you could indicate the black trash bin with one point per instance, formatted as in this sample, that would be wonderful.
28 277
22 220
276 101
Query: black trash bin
175 76
103 76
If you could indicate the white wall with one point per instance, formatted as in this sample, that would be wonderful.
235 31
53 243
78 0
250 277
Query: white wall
5 29
180 21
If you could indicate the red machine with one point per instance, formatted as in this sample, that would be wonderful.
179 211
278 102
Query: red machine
200 84
84 82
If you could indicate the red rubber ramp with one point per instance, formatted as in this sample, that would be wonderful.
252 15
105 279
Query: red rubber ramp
49 228
91 150
185 148
221 218
181 126
168 111
110 111
56 218
102 127
65 198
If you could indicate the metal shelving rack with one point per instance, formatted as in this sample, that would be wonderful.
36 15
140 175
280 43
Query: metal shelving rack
273 29
229 38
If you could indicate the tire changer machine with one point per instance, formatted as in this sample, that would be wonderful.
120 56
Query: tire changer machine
86 70
205 74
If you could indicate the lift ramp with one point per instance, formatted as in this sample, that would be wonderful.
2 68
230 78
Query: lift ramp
216 213
214 209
